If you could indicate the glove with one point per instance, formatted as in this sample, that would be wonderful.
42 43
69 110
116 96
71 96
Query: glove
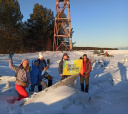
11 54
43 72
29 88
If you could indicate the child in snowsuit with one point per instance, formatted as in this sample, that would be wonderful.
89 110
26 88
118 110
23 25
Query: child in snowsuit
36 76
23 76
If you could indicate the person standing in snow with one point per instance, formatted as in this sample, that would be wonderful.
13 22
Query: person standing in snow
106 54
42 64
36 76
23 76
85 73
64 58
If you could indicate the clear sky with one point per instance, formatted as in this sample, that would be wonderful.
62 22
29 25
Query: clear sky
96 23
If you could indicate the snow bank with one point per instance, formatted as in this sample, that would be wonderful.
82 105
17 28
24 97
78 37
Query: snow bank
108 91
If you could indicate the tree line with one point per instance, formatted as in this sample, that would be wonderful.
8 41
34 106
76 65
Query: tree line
93 48
35 34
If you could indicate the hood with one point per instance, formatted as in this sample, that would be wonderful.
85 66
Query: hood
33 61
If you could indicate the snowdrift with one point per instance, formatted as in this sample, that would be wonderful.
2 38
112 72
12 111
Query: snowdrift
108 91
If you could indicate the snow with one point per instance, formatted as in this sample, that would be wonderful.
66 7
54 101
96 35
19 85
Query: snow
108 89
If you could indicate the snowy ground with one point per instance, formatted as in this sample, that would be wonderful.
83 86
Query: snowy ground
108 87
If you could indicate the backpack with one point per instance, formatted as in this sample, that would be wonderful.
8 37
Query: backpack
43 61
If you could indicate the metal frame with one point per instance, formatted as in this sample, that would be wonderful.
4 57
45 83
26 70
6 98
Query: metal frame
62 23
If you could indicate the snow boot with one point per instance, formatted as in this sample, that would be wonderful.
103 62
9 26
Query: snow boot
49 83
82 87
86 89
49 80
40 88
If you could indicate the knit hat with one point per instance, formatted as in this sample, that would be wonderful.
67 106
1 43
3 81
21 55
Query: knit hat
65 54
25 60
40 55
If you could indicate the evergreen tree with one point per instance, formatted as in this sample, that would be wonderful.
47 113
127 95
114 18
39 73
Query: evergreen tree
10 23
40 28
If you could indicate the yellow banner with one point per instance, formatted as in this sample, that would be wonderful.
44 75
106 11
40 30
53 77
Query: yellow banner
72 67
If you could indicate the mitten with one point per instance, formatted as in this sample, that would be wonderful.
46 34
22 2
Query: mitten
11 54
29 88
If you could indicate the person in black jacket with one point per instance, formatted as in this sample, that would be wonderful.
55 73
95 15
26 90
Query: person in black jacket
42 64
64 58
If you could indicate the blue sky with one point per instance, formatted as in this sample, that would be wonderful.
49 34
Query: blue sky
96 23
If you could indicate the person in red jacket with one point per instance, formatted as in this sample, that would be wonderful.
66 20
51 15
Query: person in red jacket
106 53
85 73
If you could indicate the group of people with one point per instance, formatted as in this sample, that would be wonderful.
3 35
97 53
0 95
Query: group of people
84 73
27 76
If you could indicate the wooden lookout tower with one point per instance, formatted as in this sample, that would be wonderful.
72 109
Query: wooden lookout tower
62 26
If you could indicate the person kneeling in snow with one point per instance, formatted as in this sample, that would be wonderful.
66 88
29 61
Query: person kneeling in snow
42 64
22 78
85 73
36 76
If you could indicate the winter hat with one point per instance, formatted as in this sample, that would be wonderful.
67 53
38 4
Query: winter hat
24 60
40 55
65 54
21 66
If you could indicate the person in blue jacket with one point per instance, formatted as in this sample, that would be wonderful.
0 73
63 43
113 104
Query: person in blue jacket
37 76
